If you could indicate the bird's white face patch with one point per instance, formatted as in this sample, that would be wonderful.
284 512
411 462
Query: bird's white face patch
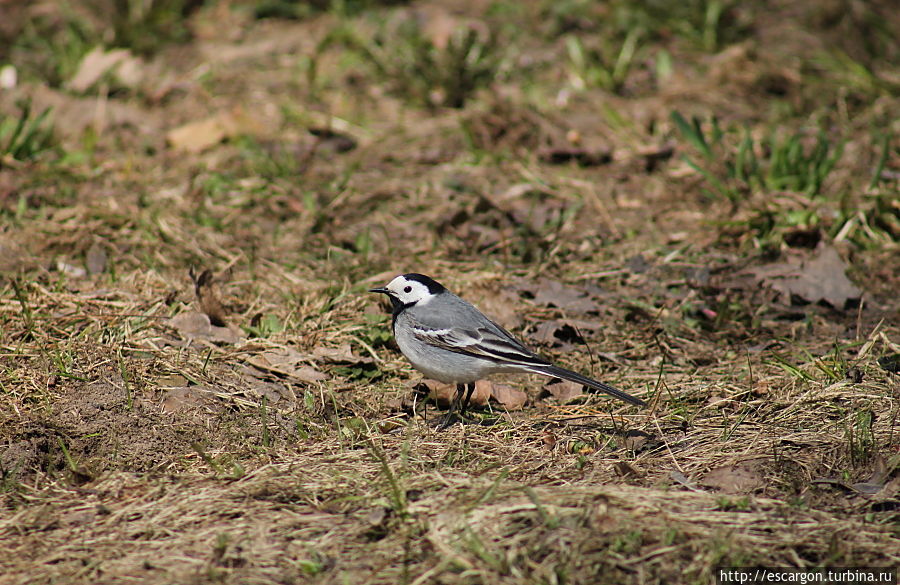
409 291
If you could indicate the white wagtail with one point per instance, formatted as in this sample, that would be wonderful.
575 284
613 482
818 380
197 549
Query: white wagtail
451 341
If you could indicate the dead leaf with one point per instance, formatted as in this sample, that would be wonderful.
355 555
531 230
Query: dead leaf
553 293
558 333
270 391
743 478
378 521
207 295
539 215
500 304
199 135
95 258
377 516
99 62
71 269
308 374
196 325
822 277
443 394
625 469
549 439
888 491
187 398
391 425
9 76
286 362
529 204
867 488
563 391
635 440
684 480
282 356
874 488
508 397
878 484
14 257
342 353
833 481
509 125
482 393
171 380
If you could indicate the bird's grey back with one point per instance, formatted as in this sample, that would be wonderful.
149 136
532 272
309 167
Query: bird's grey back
454 313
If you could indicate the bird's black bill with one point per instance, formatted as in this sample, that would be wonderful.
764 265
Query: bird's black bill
381 290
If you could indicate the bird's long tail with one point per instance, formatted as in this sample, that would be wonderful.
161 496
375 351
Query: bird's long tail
557 372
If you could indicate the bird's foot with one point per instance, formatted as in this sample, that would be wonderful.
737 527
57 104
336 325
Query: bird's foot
451 418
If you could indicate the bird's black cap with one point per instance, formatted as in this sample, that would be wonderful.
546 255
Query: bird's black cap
434 287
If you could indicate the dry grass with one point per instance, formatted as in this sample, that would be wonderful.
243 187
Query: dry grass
140 443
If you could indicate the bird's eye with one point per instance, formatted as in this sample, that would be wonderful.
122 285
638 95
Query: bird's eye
407 289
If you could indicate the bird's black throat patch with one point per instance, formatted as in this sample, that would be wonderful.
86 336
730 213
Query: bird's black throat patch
398 307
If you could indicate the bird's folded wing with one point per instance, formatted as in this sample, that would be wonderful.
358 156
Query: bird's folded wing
482 343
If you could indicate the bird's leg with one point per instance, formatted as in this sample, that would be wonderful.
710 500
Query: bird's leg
455 405
470 388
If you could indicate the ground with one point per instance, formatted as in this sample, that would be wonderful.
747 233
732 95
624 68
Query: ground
695 202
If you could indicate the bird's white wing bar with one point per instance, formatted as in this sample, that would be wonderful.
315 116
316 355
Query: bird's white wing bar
482 343
452 339
431 333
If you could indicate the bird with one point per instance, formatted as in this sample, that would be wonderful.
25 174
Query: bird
449 340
